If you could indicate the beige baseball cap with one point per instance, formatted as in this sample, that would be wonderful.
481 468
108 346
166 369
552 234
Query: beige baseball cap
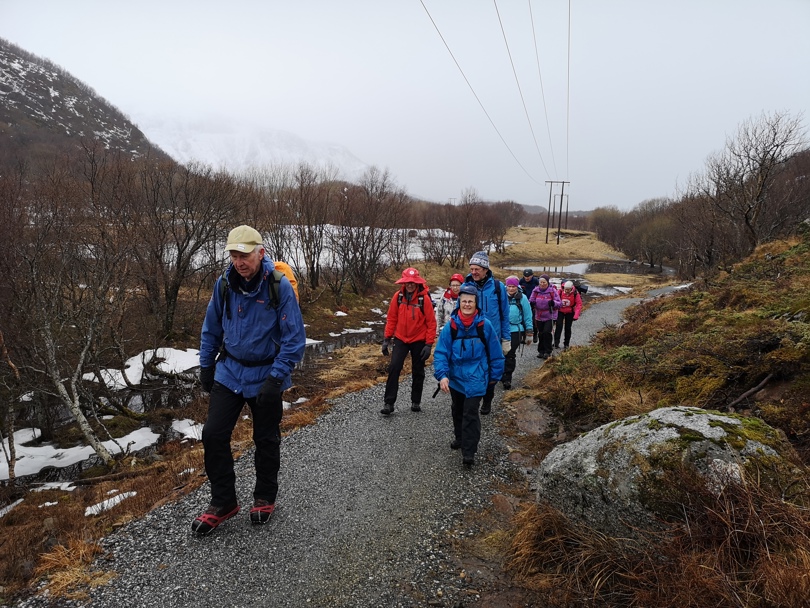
244 239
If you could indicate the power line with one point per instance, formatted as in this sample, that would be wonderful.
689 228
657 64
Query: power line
542 90
520 91
568 95
476 95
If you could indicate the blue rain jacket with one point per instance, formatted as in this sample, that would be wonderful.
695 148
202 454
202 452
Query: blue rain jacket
518 307
255 332
464 360
494 309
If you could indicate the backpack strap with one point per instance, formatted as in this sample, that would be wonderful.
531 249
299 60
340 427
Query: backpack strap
420 300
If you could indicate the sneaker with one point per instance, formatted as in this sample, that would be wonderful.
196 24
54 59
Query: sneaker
388 408
212 517
486 408
415 407
261 511
455 444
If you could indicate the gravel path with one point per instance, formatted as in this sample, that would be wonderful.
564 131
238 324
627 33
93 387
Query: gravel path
367 510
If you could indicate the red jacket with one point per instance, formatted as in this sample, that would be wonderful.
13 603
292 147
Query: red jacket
408 321
575 302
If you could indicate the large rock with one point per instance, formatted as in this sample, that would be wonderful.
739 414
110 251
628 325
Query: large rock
604 477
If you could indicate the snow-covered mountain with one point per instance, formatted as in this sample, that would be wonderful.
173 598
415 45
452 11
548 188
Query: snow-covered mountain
238 147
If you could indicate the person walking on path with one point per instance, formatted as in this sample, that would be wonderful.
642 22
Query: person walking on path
492 302
546 301
468 360
570 308
409 328
520 322
449 302
527 284
249 346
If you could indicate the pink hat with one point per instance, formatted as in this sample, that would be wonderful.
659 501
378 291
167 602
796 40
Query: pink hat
514 281
411 275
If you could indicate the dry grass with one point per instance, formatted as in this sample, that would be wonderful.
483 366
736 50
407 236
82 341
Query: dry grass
529 244
745 547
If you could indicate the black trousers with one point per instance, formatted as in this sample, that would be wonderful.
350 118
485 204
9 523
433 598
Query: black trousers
511 358
545 344
399 351
466 422
223 412
564 320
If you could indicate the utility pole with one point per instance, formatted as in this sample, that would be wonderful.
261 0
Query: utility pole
550 186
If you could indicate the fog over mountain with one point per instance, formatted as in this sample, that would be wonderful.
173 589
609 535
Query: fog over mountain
226 144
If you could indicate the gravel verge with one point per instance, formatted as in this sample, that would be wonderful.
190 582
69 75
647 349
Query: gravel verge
368 511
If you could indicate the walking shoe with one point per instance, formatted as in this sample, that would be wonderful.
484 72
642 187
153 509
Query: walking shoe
261 511
388 408
212 517
540 356
415 407
507 386
455 444
486 407
557 345
468 462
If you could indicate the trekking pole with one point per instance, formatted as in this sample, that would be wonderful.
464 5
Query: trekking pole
436 392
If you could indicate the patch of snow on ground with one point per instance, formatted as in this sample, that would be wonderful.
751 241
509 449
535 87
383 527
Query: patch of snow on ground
108 504
188 428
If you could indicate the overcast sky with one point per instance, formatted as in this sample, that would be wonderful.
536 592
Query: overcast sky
632 102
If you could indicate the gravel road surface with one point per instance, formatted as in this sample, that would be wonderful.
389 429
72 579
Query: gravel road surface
367 511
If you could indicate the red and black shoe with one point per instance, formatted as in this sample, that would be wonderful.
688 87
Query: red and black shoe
261 511
212 517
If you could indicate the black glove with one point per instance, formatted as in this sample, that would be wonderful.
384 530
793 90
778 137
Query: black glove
425 354
207 378
386 344
270 391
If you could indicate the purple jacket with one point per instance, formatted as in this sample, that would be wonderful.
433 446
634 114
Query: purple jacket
541 298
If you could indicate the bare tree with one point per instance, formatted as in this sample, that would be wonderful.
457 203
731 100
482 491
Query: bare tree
740 181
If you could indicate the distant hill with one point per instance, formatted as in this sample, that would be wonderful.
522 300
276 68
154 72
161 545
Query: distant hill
227 145
43 108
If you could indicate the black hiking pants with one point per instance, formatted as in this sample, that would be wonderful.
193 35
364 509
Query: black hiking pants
511 358
565 320
545 344
466 422
223 412
399 352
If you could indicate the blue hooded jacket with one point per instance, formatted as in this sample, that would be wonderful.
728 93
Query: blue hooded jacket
255 332
495 308
464 360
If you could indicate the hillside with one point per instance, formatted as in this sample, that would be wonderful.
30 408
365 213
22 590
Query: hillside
43 108
738 343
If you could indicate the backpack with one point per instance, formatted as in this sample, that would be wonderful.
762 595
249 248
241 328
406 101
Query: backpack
420 300
282 269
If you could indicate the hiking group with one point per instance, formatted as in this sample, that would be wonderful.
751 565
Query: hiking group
253 336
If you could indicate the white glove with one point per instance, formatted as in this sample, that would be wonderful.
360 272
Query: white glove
506 346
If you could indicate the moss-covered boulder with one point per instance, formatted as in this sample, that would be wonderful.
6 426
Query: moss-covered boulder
613 478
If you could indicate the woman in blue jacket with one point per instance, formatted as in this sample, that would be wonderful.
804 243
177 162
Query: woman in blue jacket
520 323
467 360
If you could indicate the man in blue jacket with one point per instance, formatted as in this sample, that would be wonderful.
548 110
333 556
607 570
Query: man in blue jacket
494 305
252 337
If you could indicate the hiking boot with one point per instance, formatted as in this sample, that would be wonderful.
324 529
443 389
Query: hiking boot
388 408
557 345
415 407
212 517
507 385
468 462
486 407
261 511
455 444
